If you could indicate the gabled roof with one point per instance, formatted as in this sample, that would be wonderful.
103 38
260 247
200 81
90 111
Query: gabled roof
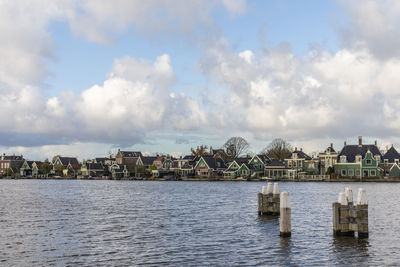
94 166
66 160
391 155
301 155
351 151
249 166
147 161
213 163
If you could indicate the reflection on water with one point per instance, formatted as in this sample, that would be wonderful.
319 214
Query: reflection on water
185 223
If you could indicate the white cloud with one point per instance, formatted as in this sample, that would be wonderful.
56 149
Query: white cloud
374 25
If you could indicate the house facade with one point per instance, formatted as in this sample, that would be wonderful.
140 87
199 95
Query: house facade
359 161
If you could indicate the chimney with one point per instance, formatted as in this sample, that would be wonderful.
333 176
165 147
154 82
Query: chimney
301 149
331 145
345 144
295 149
376 143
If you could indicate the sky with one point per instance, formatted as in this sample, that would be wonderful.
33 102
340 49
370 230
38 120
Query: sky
84 78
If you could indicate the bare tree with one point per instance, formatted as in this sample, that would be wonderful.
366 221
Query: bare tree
278 149
236 146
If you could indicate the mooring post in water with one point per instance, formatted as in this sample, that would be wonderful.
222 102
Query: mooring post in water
362 213
348 218
268 200
349 195
275 200
284 223
344 215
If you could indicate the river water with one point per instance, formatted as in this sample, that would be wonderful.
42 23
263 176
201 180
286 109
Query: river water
72 222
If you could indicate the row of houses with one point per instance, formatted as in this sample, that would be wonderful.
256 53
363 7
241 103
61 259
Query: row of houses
352 161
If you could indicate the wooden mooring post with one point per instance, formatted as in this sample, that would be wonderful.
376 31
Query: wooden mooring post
268 200
349 218
285 216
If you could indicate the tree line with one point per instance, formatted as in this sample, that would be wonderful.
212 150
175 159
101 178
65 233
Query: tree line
234 147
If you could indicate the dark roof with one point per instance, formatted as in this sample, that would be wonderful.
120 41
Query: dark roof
240 161
13 157
66 160
131 154
102 160
264 158
250 166
301 155
94 166
330 149
391 155
16 165
148 161
214 163
275 163
189 157
351 151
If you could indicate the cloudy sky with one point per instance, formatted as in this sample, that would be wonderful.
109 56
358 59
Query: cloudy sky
82 78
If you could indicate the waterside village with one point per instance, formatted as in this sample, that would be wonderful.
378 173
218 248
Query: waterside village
358 162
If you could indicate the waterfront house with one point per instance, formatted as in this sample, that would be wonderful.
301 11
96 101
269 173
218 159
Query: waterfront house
67 166
127 157
275 169
119 171
208 166
10 164
327 160
296 163
26 169
359 161
158 162
390 163
92 169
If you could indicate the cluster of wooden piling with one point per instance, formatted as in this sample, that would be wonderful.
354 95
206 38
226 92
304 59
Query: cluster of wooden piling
349 218
271 202
268 200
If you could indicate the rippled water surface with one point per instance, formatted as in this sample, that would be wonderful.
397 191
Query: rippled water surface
46 222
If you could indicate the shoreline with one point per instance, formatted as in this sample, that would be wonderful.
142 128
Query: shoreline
214 179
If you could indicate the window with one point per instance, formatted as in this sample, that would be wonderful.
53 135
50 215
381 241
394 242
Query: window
358 173
385 161
358 158
343 159
396 160
343 173
351 172
368 162
373 173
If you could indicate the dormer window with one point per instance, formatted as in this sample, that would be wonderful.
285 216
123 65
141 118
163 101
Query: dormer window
386 161
343 159
358 158
377 158
396 161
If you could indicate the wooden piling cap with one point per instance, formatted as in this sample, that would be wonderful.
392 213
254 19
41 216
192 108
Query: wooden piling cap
349 194
269 188
276 189
264 190
362 197
285 200
342 199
